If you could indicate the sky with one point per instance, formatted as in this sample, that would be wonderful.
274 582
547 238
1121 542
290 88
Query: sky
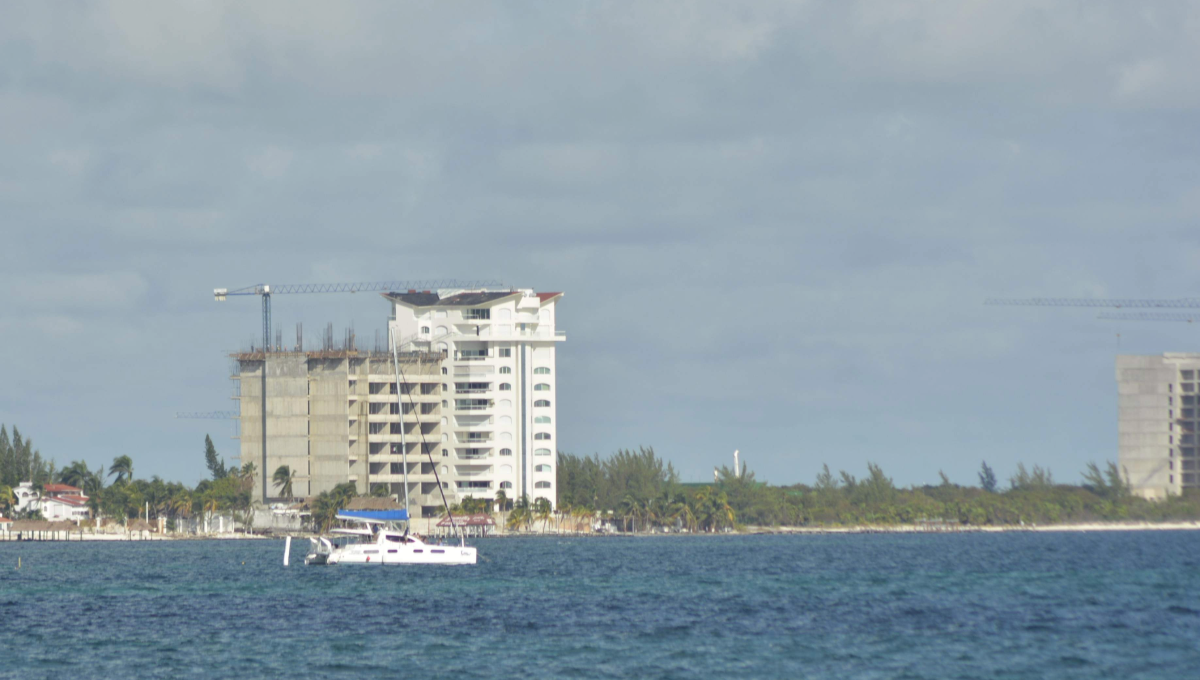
775 223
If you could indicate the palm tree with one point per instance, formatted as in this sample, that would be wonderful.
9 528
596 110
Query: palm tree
76 474
122 467
501 500
7 497
249 470
521 515
542 510
516 517
725 513
180 505
209 508
629 509
283 480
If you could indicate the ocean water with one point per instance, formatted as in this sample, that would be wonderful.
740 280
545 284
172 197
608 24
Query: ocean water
1016 605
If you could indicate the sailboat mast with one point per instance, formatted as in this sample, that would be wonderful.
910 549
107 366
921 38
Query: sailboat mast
400 408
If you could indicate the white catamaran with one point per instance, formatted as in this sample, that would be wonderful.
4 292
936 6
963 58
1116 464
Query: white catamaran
382 536
381 542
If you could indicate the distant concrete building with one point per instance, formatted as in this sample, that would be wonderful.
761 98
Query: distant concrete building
477 395
1158 422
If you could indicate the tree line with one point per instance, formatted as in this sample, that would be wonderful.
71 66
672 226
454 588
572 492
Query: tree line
639 491
115 492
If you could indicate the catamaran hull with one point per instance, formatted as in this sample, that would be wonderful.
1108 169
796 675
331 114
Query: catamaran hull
428 555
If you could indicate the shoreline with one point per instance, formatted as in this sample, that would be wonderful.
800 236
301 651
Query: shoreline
746 531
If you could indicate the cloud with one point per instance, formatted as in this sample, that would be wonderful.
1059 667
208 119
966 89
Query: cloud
771 219
89 293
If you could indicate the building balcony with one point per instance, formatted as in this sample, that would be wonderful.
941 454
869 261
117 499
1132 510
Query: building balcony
474 370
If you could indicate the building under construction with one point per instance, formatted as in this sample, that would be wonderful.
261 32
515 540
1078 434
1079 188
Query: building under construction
334 416
472 394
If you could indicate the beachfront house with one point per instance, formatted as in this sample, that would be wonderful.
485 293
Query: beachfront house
56 502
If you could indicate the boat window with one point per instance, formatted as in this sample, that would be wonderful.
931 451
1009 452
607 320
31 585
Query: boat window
392 551
394 539
371 552
437 551
418 550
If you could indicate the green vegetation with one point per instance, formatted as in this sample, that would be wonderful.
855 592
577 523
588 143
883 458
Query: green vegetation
20 462
126 497
639 492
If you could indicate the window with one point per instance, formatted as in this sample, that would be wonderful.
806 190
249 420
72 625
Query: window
541 370
542 485
505 452
504 387
425 330
505 485
504 370
541 387
541 468
477 314
445 454
542 436
1187 451
1187 375
504 352
542 420
445 371
542 403
541 452
1187 401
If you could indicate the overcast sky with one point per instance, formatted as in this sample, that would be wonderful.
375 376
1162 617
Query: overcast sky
775 223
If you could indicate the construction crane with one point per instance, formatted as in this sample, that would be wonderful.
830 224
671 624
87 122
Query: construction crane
1149 316
1178 303
266 290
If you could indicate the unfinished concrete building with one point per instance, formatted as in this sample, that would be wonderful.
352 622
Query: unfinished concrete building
334 416
1158 422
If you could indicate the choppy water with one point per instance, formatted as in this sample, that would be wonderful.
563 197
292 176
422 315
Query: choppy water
1122 605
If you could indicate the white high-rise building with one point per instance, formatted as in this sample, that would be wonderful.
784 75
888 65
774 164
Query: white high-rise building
1158 422
498 429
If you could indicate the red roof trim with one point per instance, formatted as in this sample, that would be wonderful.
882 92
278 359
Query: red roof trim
60 487
67 500
547 296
